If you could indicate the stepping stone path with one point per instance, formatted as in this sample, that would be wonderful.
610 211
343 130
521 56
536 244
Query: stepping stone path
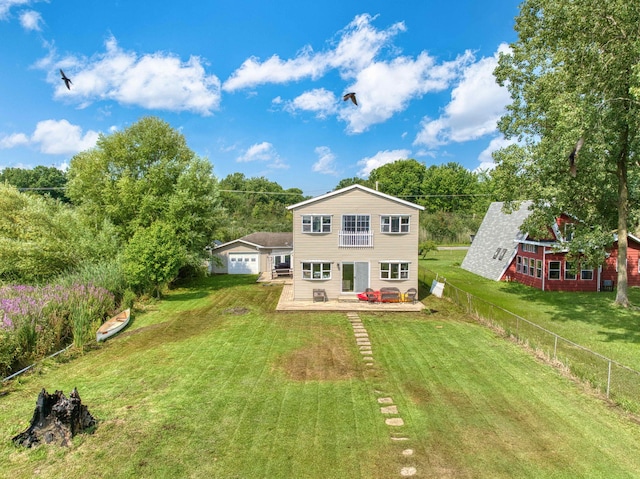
387 407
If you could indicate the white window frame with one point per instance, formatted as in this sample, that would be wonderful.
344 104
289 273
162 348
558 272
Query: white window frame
316 270
586 270
538 268
529 248
553 270
316 224
398 268
532 267
402 224
518 264
570 266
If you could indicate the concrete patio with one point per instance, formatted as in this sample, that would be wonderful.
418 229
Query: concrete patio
287 303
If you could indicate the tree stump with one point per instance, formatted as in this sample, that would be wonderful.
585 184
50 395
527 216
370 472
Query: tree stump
56 419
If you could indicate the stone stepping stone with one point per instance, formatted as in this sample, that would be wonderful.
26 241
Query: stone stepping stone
366 351
389 410
361 335
385 401
399 438
394 421
408 471
363 342
407 452
367 358
364 347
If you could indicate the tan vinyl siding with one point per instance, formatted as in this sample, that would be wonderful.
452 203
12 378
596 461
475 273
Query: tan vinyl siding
325 246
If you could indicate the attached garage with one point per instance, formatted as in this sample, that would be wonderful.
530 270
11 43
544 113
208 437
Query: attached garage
243 263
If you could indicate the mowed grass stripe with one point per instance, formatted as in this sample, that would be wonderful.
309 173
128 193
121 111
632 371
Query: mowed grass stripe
480 407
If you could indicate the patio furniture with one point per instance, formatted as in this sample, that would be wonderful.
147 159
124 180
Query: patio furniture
607 285
389 295
320 295
411 295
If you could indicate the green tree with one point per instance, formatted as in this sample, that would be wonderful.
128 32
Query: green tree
41 238
450 187
143 174
255 204
355 180
42 180
152 258
574 78
402 178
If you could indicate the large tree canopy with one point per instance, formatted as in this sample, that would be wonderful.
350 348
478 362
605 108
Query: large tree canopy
574 78
143 174
42 180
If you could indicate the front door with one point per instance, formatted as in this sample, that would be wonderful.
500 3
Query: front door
355 277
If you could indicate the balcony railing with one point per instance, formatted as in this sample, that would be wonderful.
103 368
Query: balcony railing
360 239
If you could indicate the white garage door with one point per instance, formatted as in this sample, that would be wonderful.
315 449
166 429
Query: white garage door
244 263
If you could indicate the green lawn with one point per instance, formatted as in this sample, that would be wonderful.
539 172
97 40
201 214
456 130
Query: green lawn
588 319
212 383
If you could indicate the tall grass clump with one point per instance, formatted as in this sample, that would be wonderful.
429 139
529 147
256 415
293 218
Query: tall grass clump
39 320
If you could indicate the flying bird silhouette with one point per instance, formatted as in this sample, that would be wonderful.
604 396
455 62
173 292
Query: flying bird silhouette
572 157
352 96
67 81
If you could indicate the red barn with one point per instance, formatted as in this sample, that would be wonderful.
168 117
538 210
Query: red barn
500 251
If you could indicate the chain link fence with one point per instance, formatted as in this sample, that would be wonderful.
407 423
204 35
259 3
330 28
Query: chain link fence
618 382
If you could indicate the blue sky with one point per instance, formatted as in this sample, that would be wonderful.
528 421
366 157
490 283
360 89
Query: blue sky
256 86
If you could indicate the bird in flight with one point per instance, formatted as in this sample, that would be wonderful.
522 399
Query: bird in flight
67 81
572 157
352 96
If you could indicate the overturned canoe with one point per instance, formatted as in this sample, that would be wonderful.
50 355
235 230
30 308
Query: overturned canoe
113 325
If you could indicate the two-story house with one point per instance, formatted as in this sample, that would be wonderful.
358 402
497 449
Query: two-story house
351 239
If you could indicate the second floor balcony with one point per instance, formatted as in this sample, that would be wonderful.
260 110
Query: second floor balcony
356 239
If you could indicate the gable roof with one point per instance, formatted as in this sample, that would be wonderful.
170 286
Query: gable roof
498 231
355 187
263 239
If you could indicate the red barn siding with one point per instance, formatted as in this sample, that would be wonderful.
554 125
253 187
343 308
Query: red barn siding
608 270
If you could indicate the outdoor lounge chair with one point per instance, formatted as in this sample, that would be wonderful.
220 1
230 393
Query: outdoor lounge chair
411 295
389 295
320 295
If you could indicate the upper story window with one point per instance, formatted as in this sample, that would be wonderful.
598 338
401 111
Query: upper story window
394 223
316 223
529 248
355 223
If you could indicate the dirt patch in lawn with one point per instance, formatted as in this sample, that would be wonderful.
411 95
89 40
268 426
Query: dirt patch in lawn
323 359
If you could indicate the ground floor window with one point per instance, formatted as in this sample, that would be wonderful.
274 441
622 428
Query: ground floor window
316 270
532 267
518 264
586 274
539 268
394 270
569 270
554 269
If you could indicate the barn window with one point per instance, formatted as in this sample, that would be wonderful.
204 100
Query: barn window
554 269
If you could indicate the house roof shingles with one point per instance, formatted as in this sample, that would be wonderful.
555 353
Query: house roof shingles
498 230
268 239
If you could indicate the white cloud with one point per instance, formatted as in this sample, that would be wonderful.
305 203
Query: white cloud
6 5
486 159
358 45
31 20
320 101
53 137
476 105
326 161
58 137
386 88
264 152
381 158
13 140
158 81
